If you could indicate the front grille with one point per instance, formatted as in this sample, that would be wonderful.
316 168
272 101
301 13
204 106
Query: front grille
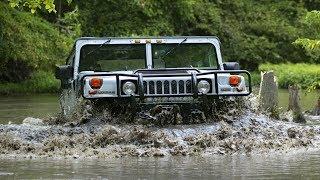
167 87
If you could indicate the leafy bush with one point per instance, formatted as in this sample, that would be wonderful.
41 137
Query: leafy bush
255 78
305 75
27 44
40 82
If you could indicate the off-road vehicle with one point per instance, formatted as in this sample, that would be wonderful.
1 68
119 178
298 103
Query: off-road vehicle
182 74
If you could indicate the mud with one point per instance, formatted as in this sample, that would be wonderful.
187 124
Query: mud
233 132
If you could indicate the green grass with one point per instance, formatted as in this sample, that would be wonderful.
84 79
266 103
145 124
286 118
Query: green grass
305 75
40 82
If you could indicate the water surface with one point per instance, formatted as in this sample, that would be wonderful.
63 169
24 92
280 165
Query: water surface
291 166
307 100
16 108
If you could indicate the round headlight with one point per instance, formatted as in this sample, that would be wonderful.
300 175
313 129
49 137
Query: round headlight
129 88
203 86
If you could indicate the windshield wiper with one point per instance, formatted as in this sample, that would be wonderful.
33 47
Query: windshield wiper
95 49
175 47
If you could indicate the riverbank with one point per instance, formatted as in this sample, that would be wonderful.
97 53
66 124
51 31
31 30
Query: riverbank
40 82
304 75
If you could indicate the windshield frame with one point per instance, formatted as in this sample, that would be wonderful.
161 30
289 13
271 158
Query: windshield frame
147 41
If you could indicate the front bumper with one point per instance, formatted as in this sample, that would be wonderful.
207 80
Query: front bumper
167 85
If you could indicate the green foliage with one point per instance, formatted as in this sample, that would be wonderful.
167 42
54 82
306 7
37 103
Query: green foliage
311 40
40 82
312 43
305 75
29 43
251 31
255 78
70 24
34 4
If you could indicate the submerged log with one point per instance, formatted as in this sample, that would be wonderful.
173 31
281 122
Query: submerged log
268 94
316 111
294 104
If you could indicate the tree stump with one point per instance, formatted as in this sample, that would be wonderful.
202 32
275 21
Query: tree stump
268 94
316 111
294 104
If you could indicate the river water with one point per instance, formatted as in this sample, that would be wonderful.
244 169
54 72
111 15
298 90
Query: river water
297 165
277 166
16 108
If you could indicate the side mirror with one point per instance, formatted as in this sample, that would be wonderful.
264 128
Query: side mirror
64 72
231 66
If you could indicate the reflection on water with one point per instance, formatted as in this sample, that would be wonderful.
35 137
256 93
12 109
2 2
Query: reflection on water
16 108
308 100
290 166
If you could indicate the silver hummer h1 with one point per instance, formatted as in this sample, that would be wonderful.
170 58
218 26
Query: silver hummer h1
163 71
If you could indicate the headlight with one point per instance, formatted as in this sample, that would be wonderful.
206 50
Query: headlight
129 88
203 86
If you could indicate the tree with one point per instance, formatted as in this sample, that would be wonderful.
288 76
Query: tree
312 45
33 5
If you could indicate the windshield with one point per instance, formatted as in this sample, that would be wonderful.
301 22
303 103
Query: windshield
112 57
184 55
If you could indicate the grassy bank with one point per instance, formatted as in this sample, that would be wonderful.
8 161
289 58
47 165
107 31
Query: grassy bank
40 82
305 75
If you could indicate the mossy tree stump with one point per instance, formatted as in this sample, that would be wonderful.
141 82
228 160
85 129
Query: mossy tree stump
268 94
294 104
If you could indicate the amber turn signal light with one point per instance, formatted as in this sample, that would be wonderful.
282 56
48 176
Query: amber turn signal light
234 80
96 83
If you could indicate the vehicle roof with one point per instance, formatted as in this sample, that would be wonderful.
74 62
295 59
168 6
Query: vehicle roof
146 37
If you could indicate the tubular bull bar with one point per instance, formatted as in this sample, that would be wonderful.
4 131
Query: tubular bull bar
193 77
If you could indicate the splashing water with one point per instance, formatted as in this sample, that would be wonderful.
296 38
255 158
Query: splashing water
248 132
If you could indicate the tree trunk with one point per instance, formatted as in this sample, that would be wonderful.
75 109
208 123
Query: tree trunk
294 104
316 111
268 94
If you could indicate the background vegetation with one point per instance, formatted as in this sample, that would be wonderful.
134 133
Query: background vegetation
306 75
37 35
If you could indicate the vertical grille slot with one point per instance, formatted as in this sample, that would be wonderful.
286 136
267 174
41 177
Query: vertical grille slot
145 89
166 87
159 87
174 87
181 87
188 86
151 87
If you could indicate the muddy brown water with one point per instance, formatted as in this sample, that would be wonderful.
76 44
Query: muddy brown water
280 165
